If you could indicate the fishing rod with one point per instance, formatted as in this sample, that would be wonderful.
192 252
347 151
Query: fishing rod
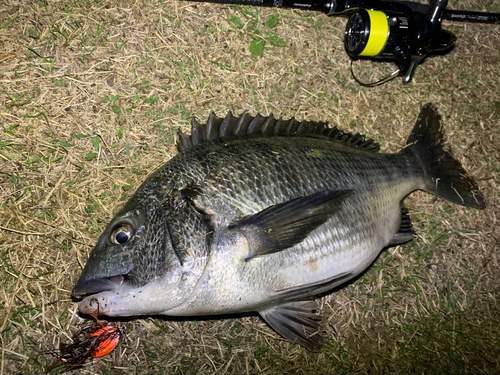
402 31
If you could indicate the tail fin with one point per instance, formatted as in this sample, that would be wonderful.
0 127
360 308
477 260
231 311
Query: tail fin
444 175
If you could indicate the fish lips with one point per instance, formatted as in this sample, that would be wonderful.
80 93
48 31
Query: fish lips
94 286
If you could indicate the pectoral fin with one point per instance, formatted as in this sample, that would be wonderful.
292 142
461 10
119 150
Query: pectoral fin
286 224
297 322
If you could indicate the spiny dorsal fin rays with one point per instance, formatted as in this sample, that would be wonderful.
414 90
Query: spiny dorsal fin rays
268 126
245 124
242 125
228 124
197 131
256 124
213 126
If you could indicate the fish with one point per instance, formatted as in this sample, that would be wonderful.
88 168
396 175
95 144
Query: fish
257 214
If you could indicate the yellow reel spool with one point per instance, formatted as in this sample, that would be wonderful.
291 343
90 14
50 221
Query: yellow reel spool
379 32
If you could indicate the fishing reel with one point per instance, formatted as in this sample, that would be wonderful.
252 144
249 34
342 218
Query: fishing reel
399 30
403 35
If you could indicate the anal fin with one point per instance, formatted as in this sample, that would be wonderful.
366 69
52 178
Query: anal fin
297 322
405 231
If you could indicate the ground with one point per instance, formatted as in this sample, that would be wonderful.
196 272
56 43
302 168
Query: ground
91 96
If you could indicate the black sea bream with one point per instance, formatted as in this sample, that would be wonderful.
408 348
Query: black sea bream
259 214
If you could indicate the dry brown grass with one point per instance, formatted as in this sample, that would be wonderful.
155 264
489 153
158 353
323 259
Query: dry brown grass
428 306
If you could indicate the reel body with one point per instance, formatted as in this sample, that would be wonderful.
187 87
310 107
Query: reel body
405 37
403 31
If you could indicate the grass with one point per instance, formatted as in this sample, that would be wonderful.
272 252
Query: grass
91 98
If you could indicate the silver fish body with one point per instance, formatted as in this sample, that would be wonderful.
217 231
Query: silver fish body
258 214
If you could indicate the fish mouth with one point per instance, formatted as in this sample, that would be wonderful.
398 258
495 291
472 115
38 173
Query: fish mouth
94 286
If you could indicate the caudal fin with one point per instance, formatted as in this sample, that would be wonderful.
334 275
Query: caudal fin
444 175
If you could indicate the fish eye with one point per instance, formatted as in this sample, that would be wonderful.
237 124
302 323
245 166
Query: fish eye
121 234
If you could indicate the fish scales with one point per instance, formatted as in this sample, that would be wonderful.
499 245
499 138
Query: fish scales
259 214
250 179
368 220
290 171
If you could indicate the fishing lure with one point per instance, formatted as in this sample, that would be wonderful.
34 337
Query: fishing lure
102 341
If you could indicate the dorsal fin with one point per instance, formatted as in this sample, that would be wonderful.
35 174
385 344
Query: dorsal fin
245 124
